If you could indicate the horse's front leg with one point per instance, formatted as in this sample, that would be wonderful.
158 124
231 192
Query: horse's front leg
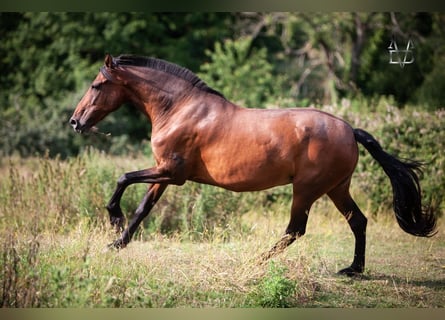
117 218
160 177
153 175
152 196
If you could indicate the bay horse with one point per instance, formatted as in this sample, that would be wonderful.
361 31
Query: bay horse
199 135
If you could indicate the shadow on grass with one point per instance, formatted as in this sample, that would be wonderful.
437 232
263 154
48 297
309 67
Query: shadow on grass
434 284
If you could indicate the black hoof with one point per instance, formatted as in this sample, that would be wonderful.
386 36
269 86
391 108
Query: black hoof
118 223
351 271
118 244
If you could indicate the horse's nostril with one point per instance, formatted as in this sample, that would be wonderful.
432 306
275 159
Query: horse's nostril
73 122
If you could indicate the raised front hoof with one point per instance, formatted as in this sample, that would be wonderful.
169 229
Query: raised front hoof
118 223
351 271
117 245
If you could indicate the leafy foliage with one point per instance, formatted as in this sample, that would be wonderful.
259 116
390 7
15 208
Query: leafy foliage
276 290
240 72
274 59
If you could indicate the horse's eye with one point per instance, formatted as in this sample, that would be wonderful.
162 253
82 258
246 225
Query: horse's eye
95 86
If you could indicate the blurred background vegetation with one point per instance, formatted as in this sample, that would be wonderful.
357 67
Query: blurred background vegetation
47 60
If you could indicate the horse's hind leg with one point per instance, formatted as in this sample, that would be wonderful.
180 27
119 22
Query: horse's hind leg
357 222
297 225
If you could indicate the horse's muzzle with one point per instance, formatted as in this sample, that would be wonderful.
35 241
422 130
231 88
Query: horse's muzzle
77 126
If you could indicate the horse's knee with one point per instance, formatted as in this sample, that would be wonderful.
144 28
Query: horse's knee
122 181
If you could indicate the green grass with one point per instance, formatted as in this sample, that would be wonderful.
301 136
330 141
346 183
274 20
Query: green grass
55 231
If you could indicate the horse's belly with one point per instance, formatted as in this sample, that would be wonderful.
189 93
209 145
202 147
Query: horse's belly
250 174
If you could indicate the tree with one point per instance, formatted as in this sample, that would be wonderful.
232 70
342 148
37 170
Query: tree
377 77
285 59
327 56
241 73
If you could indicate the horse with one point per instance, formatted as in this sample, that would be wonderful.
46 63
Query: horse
199 135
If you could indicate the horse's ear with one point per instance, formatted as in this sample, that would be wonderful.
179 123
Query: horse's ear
109 61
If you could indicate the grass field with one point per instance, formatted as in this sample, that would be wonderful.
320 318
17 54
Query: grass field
55 234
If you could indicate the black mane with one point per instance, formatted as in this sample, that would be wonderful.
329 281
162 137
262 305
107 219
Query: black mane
165 66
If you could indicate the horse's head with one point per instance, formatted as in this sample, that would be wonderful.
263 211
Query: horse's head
105 95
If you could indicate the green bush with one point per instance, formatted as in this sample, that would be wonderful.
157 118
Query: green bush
432 92
241 73
275 290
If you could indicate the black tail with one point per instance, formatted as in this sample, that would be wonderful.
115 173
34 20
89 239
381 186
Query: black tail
410 215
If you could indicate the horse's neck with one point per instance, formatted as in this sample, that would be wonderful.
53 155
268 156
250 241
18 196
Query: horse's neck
156 100
162 98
